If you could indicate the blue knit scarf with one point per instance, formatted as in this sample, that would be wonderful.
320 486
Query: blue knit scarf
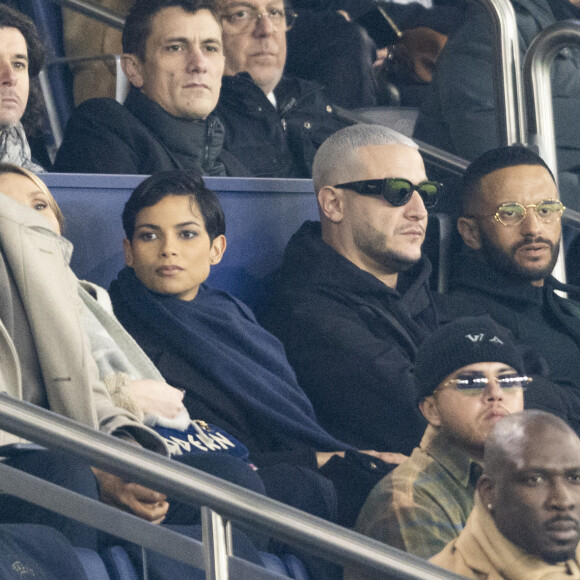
219 336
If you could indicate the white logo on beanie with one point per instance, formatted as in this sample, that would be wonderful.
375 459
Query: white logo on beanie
481 337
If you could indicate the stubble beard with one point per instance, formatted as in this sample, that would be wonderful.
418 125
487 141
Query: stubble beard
506 262
376 247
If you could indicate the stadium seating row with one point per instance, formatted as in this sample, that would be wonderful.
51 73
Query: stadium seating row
261 216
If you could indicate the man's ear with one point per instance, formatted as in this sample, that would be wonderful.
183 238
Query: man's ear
428 406
485 488
216 252
133 69
331 203
469 230
128 251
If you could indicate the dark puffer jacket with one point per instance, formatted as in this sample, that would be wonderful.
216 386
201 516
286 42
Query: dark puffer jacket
139 137
276 143
537 317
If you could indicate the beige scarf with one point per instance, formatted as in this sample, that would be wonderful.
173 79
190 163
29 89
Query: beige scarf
485 549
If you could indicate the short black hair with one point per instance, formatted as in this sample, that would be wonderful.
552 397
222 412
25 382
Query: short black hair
187 182
138 22
492 160
33 117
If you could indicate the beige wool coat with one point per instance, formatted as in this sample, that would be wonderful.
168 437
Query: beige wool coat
39 261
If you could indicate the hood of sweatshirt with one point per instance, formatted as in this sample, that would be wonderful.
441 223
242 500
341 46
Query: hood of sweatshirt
310 262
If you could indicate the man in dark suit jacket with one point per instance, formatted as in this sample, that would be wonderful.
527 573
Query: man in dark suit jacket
173 58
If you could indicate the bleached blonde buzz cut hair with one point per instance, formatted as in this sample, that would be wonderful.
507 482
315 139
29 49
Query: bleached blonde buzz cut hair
335 159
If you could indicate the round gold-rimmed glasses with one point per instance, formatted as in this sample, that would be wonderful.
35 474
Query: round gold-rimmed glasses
512 213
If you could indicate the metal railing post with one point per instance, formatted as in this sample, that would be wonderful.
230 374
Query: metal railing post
507 78
186 484
95 11
538 96
537 84
215 545
50 111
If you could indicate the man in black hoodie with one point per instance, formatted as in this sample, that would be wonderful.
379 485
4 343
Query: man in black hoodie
351 302
510 224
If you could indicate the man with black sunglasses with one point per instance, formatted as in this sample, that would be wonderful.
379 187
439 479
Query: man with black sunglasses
511 227
469 375
351 302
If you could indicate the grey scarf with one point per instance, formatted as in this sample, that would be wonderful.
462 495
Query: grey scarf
14 148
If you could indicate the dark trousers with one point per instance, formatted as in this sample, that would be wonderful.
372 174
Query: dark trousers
64 470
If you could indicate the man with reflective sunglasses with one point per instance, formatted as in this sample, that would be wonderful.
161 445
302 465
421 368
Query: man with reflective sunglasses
469 374
511 226
351 302
273 123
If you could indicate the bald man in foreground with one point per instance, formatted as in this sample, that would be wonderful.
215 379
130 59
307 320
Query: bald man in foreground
526 521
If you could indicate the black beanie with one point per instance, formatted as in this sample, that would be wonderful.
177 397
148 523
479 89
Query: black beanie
460 343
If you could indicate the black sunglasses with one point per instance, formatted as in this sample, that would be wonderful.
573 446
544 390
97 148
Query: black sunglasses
397 190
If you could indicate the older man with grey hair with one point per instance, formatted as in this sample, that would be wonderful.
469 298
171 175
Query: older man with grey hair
351 302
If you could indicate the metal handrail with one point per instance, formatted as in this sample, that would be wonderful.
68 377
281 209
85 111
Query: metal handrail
571 218
95 11
160 539
442 159
507 80
537 84
188 485
538 96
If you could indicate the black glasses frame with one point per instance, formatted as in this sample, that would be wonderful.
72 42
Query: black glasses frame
386 188
288 14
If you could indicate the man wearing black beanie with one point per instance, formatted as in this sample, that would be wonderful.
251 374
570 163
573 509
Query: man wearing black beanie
469 374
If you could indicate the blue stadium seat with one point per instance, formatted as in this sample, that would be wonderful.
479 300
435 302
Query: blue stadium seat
261 216
273 564
288 565
92 563
37 551
295 567
119 564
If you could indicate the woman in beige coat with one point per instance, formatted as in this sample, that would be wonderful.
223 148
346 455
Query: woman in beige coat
46 357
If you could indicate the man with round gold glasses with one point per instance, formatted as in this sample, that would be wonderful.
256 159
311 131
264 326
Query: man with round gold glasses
511 227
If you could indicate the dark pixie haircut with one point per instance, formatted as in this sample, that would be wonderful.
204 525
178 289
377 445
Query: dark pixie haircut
138 22
33 117
491 161
187 182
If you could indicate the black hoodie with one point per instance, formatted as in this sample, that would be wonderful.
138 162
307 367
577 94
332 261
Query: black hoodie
536 316
352 341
